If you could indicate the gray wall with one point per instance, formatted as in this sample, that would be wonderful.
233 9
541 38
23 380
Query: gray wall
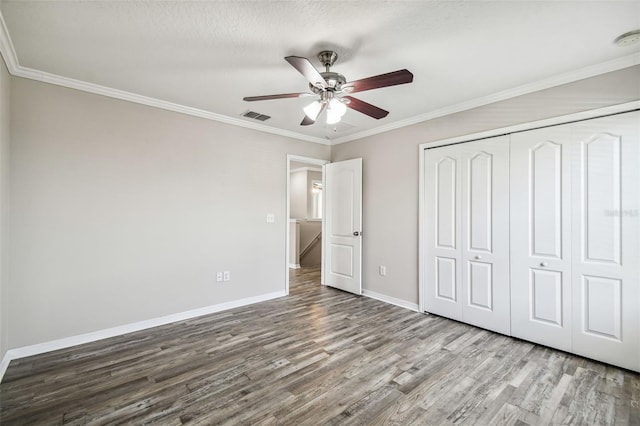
5 134
124 212
308 231
298 194
301 198
311 176
390 169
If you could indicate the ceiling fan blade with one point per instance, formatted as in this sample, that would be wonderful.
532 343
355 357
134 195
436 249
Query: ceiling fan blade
307 121
304 67
383 80
366 108
280 96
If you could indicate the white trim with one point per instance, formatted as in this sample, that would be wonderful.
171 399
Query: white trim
391 300
308 160
97 89
421 229
294 266
323 245
6 47
13 65
565 78
584 115
9 54
6 359
307 169
67 342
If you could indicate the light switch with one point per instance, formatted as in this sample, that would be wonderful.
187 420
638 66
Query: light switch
271 218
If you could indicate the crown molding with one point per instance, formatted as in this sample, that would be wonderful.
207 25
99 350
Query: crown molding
9 54
569 77
6 47
13 66
97 89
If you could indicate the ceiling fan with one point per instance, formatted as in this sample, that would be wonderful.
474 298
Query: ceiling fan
334 89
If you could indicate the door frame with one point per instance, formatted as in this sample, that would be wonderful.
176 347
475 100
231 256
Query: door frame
563 119
310 161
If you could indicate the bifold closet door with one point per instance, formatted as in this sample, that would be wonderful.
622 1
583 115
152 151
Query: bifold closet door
467 253
606 239
541 236
443 253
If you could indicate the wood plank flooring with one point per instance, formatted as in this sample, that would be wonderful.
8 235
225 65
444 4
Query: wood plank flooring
318 356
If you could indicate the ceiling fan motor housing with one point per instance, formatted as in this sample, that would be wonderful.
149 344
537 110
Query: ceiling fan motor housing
334 82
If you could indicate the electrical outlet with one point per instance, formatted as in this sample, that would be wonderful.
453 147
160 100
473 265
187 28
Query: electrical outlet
226 276
219 276
383 270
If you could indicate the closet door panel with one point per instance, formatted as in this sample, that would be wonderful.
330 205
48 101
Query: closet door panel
485 238
546 296
540 236
606 236
442 232
546 203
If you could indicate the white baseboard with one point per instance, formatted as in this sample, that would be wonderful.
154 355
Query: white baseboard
4 364
391 300
294 266
67 342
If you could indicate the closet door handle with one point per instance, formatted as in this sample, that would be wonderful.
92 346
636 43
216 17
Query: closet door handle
478 257
543 264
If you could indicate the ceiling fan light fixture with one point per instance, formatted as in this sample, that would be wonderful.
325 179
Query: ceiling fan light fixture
335 111
338 106
313 109
333 117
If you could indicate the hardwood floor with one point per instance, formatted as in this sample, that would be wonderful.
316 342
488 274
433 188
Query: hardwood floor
319 356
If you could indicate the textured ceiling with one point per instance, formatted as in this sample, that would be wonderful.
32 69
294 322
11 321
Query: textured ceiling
209 55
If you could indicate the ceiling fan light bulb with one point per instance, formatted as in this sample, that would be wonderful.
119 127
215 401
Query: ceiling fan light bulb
333 116
312 110
337 107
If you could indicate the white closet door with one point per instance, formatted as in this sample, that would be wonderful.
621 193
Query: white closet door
606 239
540 236
485 236
467 242
443 252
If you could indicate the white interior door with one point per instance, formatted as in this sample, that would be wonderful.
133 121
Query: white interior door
343 225
467 243
606 239
443 253
485 236
541 236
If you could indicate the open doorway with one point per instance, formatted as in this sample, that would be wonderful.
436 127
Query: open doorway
305 213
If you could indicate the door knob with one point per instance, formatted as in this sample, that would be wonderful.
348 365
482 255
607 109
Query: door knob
356 233
478 257
543 264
